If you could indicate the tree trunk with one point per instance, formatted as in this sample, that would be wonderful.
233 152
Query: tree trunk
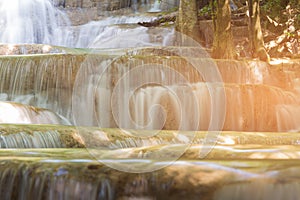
257 47
187 20
223 46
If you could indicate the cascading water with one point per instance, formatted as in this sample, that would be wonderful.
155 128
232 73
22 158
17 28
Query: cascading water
31 21
255 88
104 33
89 88
43 81
155 7
47 81
17 113
38 21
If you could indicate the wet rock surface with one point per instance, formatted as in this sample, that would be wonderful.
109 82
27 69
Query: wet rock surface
25 49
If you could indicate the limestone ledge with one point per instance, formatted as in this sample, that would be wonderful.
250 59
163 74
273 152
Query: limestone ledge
114 138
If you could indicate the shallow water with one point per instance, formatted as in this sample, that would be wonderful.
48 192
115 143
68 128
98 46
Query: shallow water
71 173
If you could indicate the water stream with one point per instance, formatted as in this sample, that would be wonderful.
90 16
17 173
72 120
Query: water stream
31 21
38 21
75 123
57 174
15 113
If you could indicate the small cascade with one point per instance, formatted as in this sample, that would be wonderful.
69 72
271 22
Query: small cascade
109 32
128 100
39 136
54 81
155 7
32 21
48 139
38 21
243 104
39 80
136 36
15 113
37 181
74 174
49 136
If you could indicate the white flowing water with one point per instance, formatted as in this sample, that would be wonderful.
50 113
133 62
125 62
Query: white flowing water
189 108
73 174
112 99
48 82
155 7
258 98
38 21
38 139
109 32
14 113
42 82
31 21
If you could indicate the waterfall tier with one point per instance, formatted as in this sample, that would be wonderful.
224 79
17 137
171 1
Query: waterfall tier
56 81
35 136
238 164
71 173
15 113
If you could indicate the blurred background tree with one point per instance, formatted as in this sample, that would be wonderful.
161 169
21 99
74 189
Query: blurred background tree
223 46
257 47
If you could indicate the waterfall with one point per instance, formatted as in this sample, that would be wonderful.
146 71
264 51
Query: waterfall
242 102
54 81
40 136
94 33
66 174
45 184
17 113
38 21
43 81
172 106
137 110
31 21
48 139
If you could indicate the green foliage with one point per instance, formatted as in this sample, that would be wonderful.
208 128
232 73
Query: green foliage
282 11
207 11
273 8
